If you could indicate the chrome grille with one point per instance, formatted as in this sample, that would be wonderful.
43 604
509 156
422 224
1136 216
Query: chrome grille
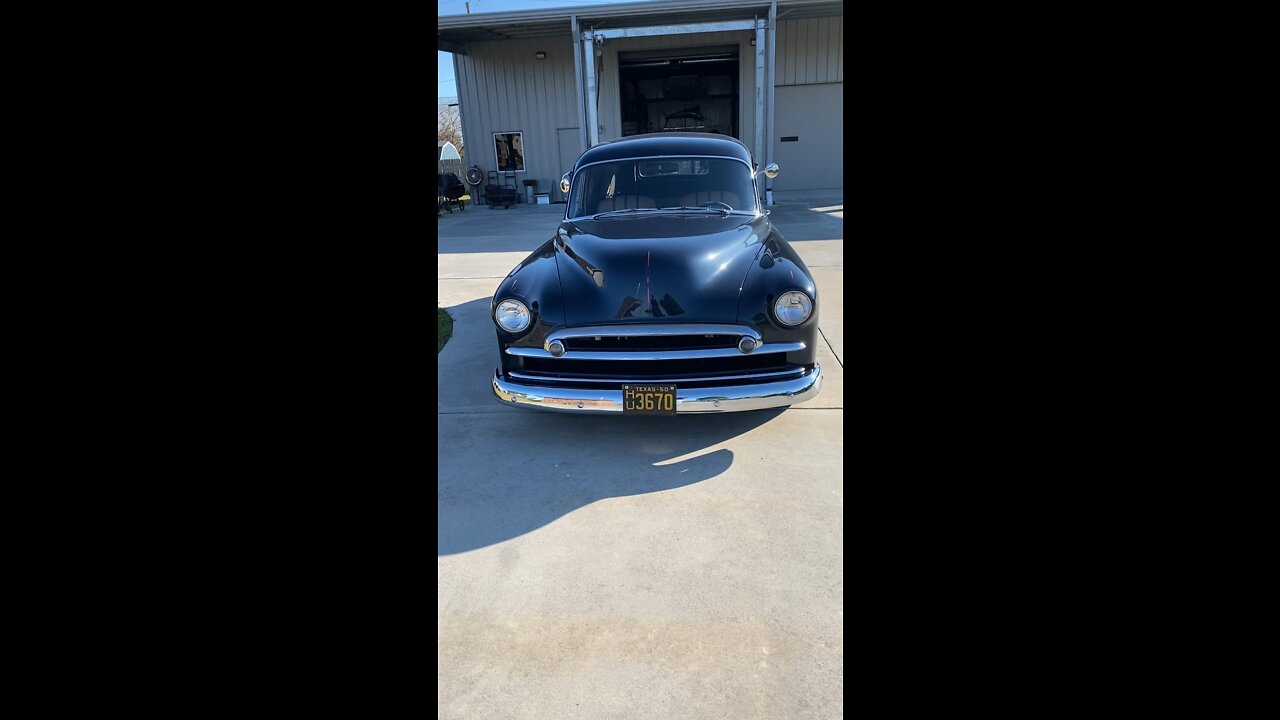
686 353
640 343
656 369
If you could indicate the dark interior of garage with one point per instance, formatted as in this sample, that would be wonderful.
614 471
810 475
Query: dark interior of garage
694 91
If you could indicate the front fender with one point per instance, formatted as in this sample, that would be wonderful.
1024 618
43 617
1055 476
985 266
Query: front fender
778 269
536 283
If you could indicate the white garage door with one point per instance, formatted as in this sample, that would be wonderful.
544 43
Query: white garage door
809 140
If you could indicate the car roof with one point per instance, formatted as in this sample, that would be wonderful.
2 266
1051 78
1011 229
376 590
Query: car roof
659 144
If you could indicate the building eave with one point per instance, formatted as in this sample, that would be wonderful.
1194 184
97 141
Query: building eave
455 31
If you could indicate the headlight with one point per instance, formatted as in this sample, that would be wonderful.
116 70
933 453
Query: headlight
511 315
792 308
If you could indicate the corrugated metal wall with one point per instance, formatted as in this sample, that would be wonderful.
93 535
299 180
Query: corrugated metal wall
809 99
812 117
502 87
810 51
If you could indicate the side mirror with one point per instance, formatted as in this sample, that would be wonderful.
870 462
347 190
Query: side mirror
564 182
771 170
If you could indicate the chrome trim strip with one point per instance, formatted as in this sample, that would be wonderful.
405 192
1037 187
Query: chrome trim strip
543 378
629 158
652 330
688 400
656 354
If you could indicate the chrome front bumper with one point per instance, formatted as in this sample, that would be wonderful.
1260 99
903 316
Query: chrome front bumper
734 398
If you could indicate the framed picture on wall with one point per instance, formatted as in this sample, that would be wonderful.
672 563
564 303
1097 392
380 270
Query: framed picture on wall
508 148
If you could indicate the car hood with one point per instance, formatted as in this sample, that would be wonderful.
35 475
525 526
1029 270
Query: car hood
655 268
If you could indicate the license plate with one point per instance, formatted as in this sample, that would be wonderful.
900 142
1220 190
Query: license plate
649 399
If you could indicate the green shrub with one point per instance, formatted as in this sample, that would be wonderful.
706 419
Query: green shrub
444 328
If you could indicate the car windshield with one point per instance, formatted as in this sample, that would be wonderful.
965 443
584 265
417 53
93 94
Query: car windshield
690 184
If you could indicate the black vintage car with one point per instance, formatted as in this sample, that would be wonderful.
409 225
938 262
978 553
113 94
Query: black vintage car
665 290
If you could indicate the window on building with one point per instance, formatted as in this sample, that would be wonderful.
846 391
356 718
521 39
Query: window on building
509 148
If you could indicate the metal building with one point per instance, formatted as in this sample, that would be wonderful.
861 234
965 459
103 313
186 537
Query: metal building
538 87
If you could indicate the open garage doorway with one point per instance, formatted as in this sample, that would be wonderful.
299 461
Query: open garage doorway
689 90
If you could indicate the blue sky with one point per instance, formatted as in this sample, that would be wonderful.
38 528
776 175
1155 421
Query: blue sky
444 61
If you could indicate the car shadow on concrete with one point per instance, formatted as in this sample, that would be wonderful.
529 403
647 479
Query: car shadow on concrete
504 474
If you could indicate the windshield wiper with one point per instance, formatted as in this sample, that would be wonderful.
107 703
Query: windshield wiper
597 216
722 211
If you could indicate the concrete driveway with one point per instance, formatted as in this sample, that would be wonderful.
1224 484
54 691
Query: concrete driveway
611 567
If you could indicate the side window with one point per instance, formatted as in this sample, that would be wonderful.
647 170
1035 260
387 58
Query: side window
597 185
